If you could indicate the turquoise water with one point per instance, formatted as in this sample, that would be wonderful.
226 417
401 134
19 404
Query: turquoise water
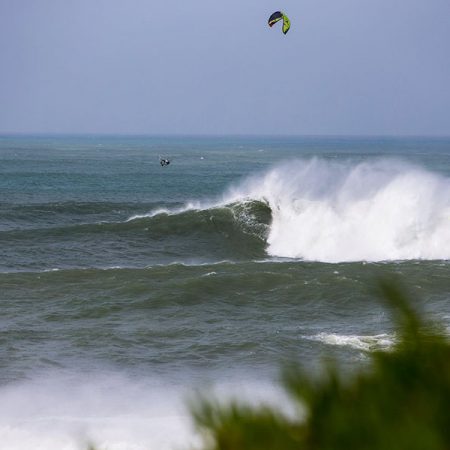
124 284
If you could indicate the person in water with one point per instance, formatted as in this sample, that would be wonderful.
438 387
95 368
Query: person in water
164 162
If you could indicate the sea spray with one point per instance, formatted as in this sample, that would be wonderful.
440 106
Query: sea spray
346 211
56 411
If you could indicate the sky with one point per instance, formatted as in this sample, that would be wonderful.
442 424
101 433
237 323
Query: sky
346 67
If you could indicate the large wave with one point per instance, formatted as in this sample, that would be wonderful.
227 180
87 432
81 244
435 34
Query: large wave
345 211
315 210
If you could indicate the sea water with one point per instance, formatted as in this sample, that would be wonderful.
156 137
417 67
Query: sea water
126 287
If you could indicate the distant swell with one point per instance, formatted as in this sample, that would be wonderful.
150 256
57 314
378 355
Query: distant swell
335 212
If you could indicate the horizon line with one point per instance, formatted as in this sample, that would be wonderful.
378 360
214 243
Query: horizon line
220 135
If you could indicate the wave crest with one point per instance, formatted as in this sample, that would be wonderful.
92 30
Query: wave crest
337 212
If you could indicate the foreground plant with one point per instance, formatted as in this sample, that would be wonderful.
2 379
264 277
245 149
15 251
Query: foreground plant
402 402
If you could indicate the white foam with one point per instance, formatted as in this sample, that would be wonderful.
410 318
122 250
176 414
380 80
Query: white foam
190 206
153 213
336 212
364 343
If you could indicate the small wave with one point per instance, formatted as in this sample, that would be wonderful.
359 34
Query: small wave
363 343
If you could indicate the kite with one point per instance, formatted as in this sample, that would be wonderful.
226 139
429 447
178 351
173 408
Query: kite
276 17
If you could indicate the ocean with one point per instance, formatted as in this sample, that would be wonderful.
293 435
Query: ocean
126 287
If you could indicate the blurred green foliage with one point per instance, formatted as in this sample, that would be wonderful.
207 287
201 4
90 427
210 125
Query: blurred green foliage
401 402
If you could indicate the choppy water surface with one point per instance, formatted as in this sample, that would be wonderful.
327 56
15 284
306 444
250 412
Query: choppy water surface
124 285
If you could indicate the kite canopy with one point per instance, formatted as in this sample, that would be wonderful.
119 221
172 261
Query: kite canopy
276 17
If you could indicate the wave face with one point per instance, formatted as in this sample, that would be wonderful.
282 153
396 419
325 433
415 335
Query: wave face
189 234
344 211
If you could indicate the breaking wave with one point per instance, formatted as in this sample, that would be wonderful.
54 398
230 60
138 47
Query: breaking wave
313 210
336 212
363 343
320 210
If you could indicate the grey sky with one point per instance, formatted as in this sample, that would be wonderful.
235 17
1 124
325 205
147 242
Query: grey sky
215 67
